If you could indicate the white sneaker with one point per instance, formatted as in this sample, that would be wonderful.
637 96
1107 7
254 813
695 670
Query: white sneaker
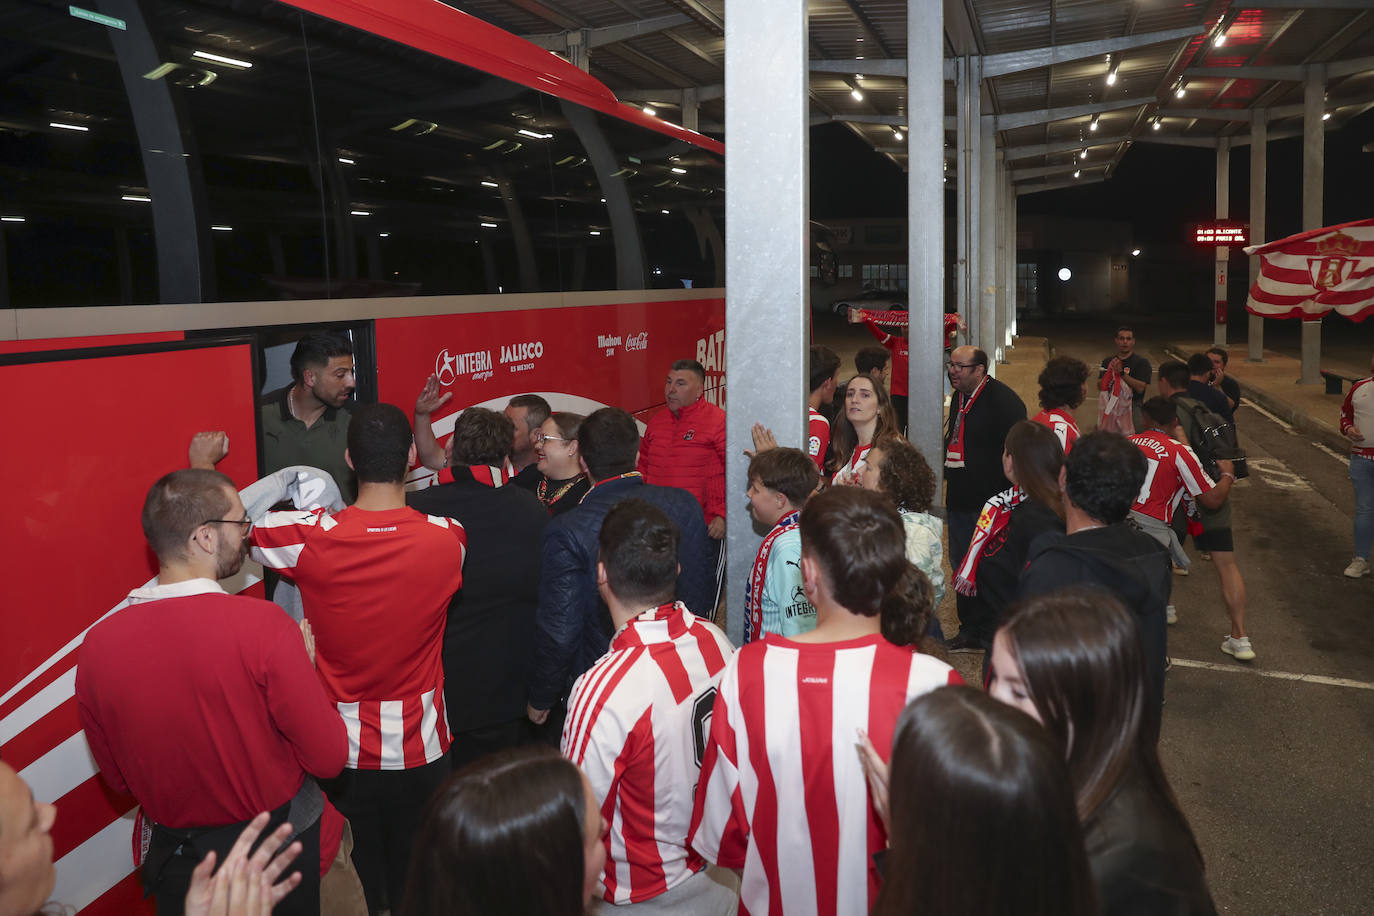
1358 567
1170 614
1238 648
1180 570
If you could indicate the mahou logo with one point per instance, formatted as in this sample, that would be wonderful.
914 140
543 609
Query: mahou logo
608 342
638 341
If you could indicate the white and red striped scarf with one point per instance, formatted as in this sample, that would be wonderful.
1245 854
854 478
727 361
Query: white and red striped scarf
492 476
753 588
994 517
954 452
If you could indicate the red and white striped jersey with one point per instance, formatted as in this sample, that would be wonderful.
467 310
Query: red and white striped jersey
375 586
782 792
1173 470
637 726
1061 423
818 437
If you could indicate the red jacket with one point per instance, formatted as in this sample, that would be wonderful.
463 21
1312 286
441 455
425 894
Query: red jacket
688 451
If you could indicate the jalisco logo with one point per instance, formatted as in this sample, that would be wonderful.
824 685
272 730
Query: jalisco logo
476 364
522 354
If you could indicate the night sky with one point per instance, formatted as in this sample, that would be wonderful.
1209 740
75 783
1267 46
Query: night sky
1158 189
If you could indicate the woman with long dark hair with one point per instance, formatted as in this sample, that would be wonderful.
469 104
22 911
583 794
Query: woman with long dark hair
562 483
960 758
867 417
1072 659
517 833
1007 526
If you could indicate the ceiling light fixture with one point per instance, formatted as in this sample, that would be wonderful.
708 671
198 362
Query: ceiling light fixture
898 136
596 232
11 219
1111 75
1326 116
488 225
533 134
1092 125
223 228
221 59
678 170
1135 252
649 110
858 96
385 235
359 213
489 184
1077 172
61 126
664 212
1155 125
345 161
1219 40
139 198
1083 154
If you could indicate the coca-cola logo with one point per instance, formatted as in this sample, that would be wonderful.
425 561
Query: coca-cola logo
638 341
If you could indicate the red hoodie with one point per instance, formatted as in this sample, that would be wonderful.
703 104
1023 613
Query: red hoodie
688 451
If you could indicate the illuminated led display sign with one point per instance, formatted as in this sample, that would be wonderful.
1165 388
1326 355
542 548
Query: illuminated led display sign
1221 232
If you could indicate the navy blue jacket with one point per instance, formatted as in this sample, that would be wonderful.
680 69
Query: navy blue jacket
573 625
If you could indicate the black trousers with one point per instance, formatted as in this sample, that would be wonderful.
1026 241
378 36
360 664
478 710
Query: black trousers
174 854
385 808
475 743
899 407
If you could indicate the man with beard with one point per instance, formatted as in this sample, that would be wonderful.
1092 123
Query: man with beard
306 423
205 706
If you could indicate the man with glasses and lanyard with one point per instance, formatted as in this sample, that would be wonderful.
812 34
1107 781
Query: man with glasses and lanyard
981 411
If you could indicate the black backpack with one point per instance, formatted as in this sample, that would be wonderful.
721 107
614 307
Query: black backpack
1211 436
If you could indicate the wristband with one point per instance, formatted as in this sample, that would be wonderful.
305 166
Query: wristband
1229 474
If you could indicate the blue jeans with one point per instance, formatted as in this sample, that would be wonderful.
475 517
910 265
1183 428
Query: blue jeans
1362 476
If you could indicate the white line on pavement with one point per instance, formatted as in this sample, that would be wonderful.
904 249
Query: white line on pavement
1277 675
1330 451
1262 412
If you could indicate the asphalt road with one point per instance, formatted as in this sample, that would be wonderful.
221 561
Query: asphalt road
1276 774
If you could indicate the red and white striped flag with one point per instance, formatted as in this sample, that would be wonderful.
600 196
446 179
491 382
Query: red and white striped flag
1312 273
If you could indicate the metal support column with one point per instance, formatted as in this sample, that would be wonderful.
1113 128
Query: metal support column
691 108
171 161
1313 150
966 284
926 229
1223 259
1010 230
766 250
1000 250
629 247
1259 148
987 241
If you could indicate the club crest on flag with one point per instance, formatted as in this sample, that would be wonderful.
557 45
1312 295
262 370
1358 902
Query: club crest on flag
1307 275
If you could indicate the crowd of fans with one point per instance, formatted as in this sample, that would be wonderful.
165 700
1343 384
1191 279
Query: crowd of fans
507 694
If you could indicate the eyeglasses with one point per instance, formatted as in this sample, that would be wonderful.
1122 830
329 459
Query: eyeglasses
246 523
540 437
953 365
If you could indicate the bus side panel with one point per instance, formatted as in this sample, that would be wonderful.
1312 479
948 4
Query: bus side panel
92 434
577 358
85 343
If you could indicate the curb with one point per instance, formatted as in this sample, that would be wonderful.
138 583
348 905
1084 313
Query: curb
1299 420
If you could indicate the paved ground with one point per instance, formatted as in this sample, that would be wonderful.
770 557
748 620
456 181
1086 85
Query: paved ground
1274 773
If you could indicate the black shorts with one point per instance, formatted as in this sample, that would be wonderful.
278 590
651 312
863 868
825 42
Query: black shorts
1218 539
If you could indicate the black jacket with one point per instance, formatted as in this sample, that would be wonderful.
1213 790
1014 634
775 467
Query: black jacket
1143 860
1004 557
997 410
1123 560
573 623
490 629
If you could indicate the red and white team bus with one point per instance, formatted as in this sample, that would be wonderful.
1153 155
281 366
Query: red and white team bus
186 188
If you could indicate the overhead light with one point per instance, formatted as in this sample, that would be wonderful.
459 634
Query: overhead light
345 160
1092 125
11 219
595 232
1077 172
678 170
649 110
223 228
860 38
137 197
533 134
61 126
490 184
1135 252
488 225
359 213
1111 75
858 96
1065 274
1326 116
898 136
1219 40
603 200
221 59
664 212
1083 154
384 235
1155 125
1178 93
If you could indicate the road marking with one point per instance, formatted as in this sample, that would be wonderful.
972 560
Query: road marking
1277 675
1264 413
1277 474
1330 451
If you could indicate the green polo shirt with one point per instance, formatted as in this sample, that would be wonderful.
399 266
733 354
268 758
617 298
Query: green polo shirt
287 441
